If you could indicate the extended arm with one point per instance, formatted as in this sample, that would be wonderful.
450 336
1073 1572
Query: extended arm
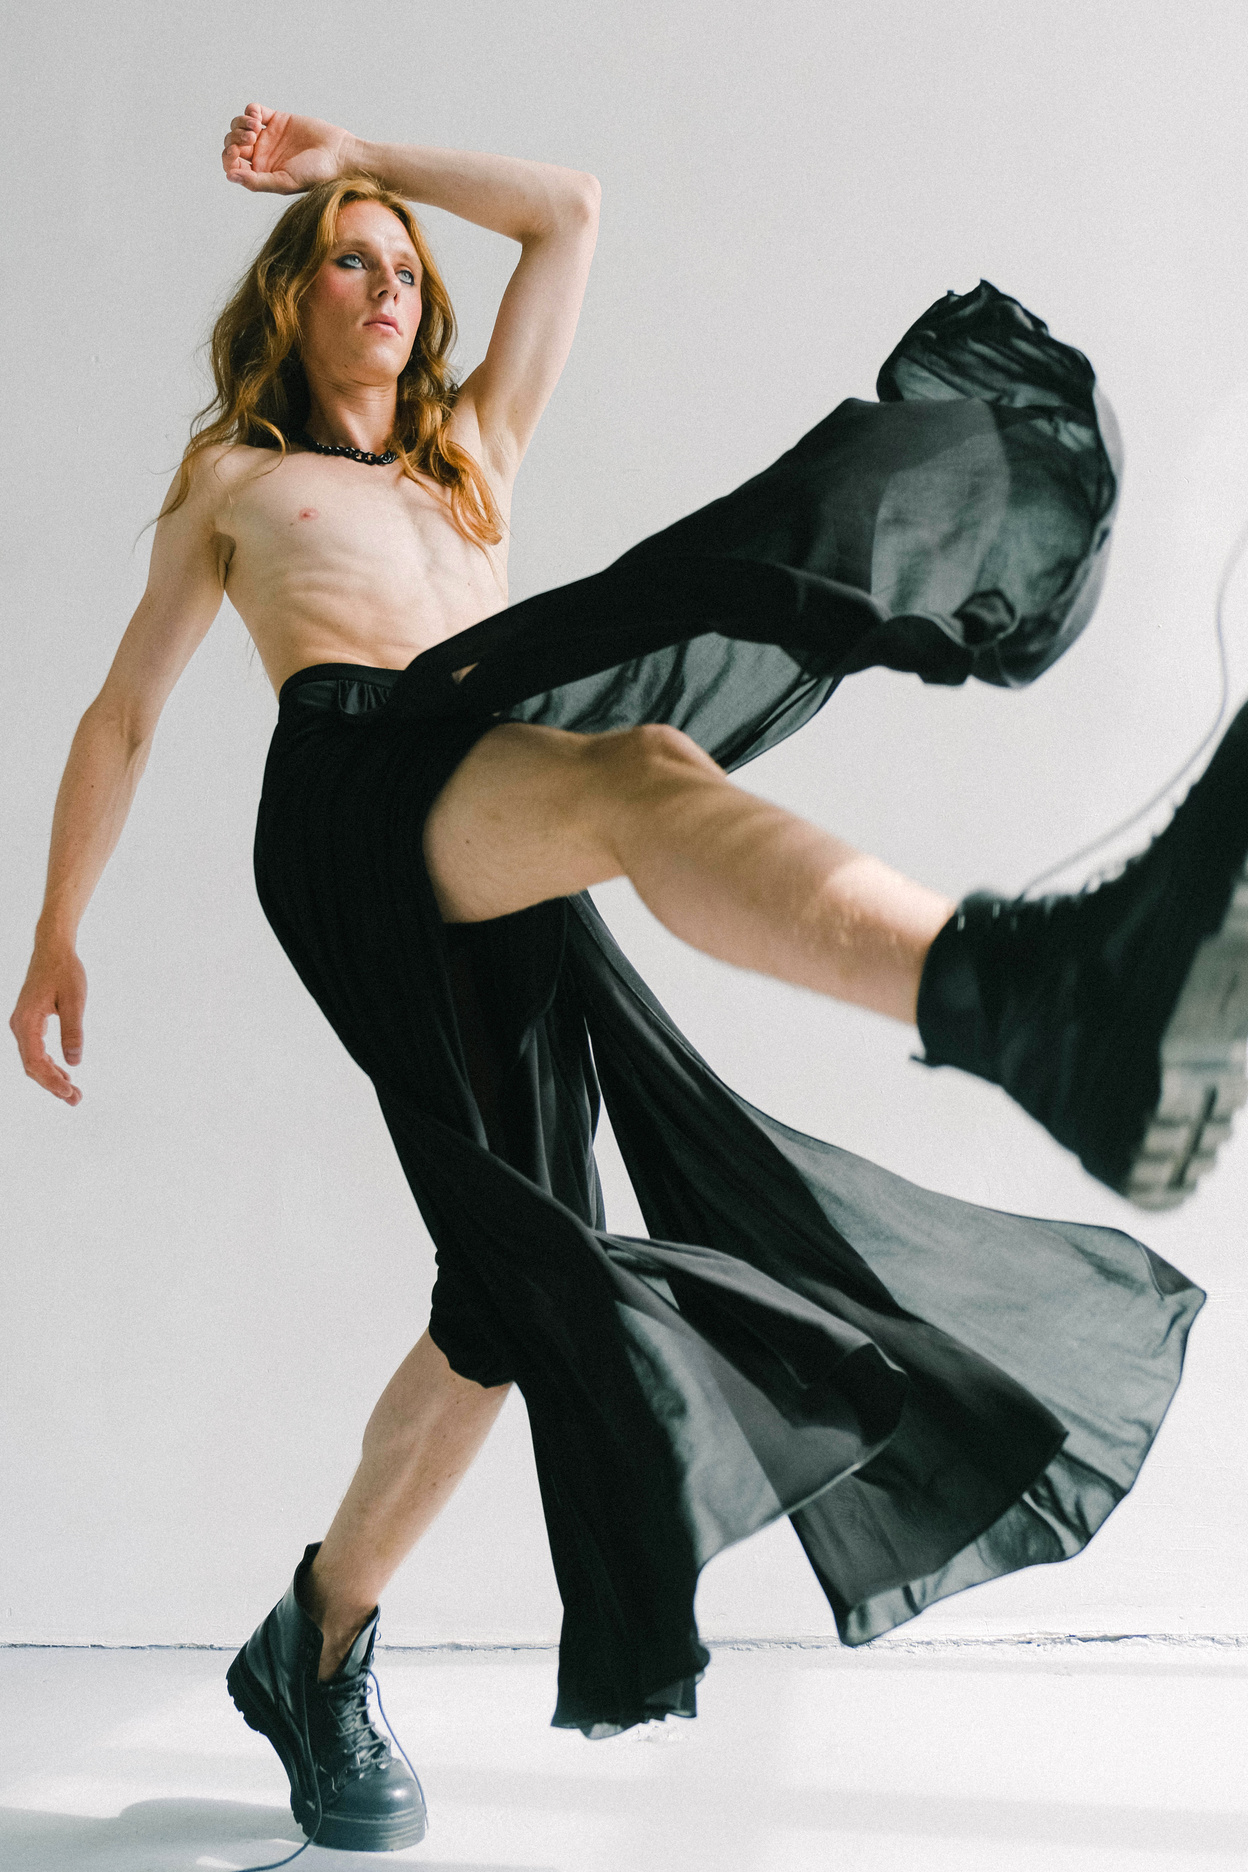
551 212
106 762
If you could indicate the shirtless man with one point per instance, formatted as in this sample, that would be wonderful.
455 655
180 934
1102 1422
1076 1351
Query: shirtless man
331 561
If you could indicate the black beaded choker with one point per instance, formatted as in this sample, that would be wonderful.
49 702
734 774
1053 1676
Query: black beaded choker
361 455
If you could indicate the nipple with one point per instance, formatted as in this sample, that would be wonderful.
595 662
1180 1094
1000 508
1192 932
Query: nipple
307 513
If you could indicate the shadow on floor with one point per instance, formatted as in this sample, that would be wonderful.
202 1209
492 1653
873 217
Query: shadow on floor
225 1836
185 1836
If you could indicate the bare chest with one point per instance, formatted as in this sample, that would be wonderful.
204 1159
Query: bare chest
314 533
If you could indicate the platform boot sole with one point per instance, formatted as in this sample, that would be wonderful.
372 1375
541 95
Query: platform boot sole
260 1713
1203 1078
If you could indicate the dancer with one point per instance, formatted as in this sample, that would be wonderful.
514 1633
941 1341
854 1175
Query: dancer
936 1394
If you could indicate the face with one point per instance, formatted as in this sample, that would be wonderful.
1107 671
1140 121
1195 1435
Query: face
359 317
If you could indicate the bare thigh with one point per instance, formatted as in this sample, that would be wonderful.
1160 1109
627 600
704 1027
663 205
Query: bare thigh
532 813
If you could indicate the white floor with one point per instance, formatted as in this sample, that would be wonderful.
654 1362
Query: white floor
1063 1756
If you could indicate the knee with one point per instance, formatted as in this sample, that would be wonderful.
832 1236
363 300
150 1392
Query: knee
652 756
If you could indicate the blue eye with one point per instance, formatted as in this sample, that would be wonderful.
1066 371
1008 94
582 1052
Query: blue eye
347 260
407 276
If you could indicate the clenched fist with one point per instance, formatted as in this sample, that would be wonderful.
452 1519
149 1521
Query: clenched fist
280 154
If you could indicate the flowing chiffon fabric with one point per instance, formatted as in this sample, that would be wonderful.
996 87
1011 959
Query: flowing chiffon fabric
935 1393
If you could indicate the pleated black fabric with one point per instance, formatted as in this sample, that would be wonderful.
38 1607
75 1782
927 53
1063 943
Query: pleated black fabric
937 1394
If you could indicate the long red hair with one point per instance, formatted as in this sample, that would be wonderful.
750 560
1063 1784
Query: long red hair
261 391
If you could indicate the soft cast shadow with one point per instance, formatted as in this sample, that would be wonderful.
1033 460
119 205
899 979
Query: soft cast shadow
185 1836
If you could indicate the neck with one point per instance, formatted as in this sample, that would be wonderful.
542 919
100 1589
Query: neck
352 415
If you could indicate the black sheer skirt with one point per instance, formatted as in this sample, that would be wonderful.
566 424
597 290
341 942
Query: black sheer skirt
935 1393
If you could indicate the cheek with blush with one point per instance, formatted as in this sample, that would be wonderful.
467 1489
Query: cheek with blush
334 296
410 316
329 310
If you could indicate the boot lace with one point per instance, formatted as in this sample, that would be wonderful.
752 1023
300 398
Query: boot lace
348 1707
357 1744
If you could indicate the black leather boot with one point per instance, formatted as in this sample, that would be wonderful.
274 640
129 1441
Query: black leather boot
346 1788
1117 1016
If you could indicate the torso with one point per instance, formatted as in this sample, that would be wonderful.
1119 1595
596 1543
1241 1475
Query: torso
329 560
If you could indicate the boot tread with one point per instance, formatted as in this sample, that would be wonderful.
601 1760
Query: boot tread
1204 1080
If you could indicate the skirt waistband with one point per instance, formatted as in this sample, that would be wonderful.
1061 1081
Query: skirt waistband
321 684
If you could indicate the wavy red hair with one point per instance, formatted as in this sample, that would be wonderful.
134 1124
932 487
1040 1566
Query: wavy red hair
261 391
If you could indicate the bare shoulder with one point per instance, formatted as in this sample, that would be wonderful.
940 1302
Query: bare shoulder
215 478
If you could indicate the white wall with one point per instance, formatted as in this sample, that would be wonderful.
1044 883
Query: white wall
213 1264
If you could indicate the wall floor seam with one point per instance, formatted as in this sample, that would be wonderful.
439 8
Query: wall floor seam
1015 1641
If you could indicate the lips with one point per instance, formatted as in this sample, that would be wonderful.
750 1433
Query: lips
387 324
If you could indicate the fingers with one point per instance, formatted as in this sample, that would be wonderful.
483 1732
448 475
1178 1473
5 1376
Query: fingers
252 121
38 1063
54 985
240 144
249 125
278 183
70 1009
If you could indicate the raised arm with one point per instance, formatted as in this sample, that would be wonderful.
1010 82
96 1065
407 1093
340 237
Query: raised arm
551 212
106 761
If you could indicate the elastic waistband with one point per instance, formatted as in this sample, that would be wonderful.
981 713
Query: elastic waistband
337 672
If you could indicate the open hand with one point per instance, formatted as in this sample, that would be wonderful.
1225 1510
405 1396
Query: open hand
56 983
280 154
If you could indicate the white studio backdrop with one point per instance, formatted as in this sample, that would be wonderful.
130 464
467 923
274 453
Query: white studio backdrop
212 1266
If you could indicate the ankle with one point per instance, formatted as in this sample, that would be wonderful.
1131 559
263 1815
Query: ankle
953 1021
338 1620
334 1648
